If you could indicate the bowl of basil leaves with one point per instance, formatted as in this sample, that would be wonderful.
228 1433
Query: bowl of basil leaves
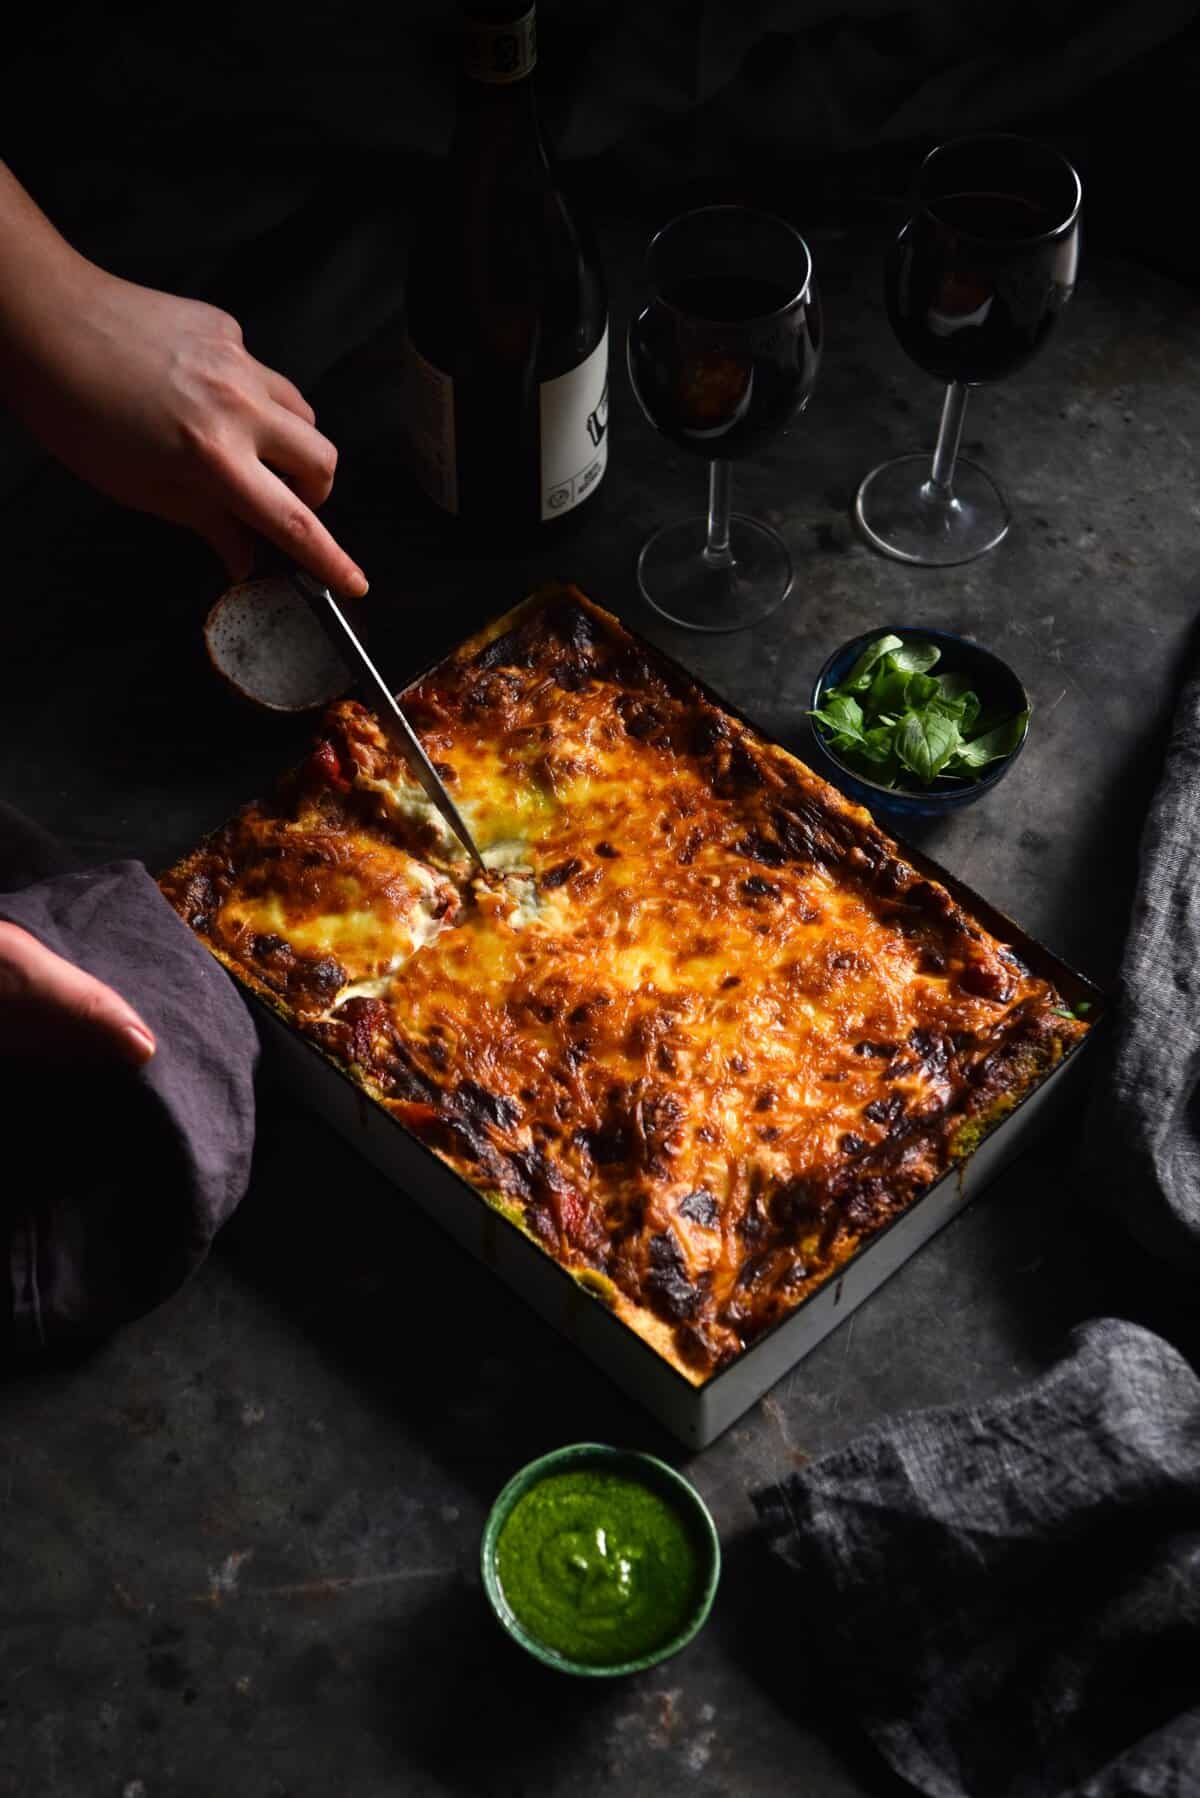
917 722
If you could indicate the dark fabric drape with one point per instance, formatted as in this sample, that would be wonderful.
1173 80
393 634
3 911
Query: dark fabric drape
113 1183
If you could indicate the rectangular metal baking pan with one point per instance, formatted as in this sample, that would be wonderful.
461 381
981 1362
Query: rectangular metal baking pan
695 1415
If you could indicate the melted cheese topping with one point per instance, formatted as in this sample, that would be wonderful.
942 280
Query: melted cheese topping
347 903
703 1030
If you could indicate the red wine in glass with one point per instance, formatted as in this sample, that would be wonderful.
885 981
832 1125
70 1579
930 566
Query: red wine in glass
975 287
975 283
722 357
720 363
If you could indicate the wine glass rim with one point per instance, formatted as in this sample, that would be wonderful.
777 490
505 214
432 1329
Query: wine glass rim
975 139
750 212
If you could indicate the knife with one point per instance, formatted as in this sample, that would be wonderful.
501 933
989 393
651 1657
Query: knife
341 634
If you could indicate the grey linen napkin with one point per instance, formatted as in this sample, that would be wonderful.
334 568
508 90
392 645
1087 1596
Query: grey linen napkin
1013 1590
113 1183
1010 1593
1142 1142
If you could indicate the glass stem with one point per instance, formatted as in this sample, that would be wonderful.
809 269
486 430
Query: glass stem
941 475
720 492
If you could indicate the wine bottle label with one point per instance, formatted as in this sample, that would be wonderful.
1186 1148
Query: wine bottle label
500 53
428 400
574 429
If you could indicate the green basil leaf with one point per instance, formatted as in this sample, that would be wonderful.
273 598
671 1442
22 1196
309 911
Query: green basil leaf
922 688
925 743
957 698
969 715
860 674
915 657
955 686
842 713
888 692
994 744
964 711
876 745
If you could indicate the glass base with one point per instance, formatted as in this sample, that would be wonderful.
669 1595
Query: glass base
901 513
683 583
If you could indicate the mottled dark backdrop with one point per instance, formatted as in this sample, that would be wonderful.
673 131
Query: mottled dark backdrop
265 155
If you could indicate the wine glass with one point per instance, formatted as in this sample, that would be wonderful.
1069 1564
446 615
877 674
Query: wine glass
721 358
975 283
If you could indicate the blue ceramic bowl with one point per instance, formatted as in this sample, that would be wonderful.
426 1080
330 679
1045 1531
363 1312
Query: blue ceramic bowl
993 680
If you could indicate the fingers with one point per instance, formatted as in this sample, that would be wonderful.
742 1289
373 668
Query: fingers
284 392
267 504
50 1008
298 452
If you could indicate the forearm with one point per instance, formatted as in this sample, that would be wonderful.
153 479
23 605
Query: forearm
43 283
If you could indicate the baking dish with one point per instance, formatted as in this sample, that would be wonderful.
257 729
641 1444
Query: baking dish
688 1147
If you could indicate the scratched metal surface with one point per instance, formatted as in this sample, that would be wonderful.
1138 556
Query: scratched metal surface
239 1546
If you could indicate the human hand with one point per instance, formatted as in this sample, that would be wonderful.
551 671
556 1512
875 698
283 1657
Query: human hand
156 401
52 1011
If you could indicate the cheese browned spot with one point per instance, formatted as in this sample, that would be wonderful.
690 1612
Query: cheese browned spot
703 1032
321 912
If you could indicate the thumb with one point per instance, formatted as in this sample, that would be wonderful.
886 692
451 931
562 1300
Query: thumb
50 1008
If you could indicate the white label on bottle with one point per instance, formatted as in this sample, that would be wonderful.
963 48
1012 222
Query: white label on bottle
574 427
429 421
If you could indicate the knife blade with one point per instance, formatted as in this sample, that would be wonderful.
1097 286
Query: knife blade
341 633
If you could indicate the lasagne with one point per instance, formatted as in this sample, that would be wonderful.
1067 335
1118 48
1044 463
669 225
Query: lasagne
701 1031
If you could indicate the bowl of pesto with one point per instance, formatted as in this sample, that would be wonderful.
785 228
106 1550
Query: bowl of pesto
600 1561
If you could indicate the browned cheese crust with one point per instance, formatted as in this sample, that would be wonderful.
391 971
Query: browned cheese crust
702 1033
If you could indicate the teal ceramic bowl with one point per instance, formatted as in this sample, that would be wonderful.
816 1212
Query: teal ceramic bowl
659 1479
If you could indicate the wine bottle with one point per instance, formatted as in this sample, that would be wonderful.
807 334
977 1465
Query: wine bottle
505 397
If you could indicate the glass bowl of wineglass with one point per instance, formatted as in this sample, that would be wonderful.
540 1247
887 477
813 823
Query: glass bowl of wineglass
722 357
975 283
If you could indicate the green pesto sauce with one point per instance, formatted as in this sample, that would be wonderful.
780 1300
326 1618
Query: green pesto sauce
598 1567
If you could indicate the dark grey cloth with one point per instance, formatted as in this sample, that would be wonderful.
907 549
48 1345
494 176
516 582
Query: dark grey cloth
1142 1143
1009 1594
113 1183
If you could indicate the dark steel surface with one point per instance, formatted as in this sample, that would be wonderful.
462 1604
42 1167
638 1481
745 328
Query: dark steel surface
240 1544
